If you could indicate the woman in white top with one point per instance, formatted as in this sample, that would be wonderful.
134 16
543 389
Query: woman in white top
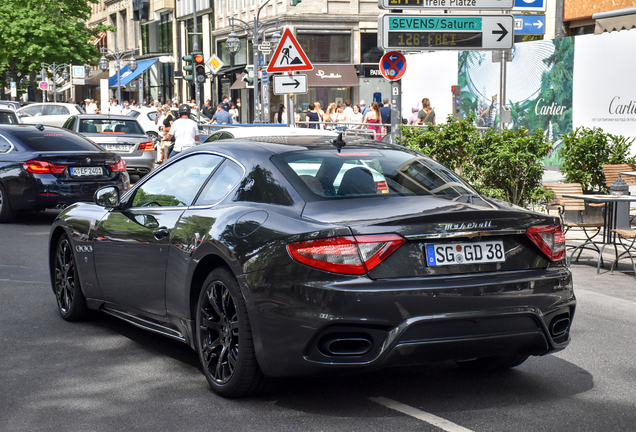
356 117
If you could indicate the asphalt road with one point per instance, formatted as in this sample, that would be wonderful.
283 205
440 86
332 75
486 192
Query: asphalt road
106 375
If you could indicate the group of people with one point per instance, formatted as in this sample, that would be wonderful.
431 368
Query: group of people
226 111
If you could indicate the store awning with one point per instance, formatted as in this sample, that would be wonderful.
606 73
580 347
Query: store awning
239 83
621 19
332 76
127 75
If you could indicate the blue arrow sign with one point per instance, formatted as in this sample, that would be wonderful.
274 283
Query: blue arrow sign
529 24
530 5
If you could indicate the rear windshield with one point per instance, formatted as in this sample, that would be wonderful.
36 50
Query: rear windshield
327 174
54 140
8 118
109 126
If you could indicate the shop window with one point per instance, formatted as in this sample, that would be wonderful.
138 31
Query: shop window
165 33
326 48
369 51
240 57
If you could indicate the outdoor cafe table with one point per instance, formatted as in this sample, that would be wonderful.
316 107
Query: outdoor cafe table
609 221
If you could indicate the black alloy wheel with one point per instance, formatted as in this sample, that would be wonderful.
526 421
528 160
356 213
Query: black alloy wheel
70 300
6 212
224 338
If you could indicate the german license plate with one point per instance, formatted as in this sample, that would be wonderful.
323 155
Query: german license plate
87 171
465 253
119 147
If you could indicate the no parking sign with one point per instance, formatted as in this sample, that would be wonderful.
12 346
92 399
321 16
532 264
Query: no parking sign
393 65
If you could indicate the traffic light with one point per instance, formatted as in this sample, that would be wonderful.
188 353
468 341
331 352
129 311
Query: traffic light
457 101
249 76
200 68
295 2
188 67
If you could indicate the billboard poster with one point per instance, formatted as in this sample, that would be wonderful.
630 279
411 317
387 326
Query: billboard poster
539 83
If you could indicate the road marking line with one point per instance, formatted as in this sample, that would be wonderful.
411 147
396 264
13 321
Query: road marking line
420 415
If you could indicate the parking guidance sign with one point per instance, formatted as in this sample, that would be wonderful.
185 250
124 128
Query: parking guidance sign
403 32
447 4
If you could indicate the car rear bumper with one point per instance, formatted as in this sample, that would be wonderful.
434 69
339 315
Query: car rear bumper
302 327
46 191
139 163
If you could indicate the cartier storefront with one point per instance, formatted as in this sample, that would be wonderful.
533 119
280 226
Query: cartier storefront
328 83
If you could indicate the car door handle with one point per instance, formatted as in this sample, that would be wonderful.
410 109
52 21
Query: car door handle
161 232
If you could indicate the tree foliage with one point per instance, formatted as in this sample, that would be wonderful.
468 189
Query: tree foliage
45 31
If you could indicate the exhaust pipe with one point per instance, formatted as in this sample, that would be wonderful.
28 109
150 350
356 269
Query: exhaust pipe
560 325
346 346
61 206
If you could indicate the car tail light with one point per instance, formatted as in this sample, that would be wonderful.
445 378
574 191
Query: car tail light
119 166
550 239
43 167
147 146
346 255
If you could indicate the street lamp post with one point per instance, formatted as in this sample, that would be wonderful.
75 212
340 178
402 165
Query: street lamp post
55 68
256 31
117 55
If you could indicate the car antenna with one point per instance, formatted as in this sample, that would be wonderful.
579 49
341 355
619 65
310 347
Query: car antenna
339 143
40 127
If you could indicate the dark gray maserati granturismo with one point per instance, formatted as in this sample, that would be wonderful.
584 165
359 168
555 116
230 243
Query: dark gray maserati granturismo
284 256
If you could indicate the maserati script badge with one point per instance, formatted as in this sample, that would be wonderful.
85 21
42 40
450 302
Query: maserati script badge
464 225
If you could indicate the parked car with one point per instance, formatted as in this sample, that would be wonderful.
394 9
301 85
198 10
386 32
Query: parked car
8 116
120 134
284 256
146 118
49 113
47 167
14 105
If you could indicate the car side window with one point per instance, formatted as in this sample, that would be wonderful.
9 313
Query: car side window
152 115
31 111
213 137
5 146
69 123
56 110
178 184
223 181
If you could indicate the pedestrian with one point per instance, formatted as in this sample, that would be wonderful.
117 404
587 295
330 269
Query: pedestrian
330 116
426 114
384 112
356 118
185 131
413 118
224 101
341 117
115 108
363 107
126 109
348 111
321 115
165 142
221 116
159 116
280 117
373 118
207 109
312 116
234 112
90 106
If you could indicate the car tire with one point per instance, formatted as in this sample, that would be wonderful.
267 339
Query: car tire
7 214
230 367
71 303
492 363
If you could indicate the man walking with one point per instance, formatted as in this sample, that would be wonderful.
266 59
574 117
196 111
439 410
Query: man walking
221 116
185 132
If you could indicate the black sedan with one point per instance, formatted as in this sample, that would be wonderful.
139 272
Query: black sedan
306 255
47 167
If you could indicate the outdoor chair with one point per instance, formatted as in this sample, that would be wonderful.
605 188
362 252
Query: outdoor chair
574 218
629 247
611 175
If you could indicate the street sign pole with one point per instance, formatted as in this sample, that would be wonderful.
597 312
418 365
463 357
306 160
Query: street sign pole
396 104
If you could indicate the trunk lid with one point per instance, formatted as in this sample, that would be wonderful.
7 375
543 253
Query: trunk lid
428 222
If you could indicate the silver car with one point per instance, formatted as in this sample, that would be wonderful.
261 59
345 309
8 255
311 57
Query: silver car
120 134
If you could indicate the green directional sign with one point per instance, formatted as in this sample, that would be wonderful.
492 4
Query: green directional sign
403 32
468 5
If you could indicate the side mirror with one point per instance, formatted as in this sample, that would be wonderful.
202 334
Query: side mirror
108 197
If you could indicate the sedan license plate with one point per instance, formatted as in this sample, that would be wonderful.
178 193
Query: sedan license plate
87 171
118 147
465 253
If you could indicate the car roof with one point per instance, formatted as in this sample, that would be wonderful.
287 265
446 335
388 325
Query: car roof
271 145
50 103
104 116
9 110
276 131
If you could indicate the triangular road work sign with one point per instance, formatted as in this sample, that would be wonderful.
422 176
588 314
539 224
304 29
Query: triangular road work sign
289 56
